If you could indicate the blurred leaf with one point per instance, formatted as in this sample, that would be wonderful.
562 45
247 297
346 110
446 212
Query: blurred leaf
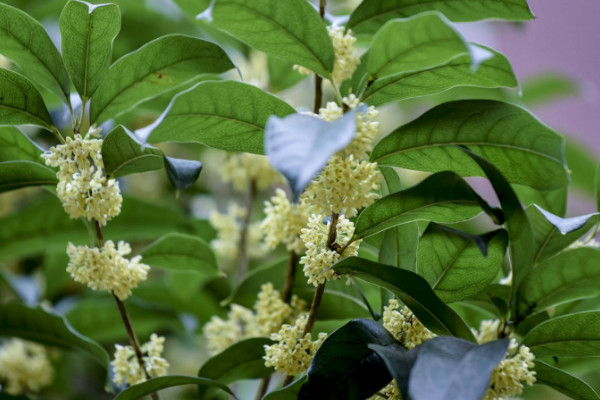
243 360
532 154
597 187
15 145
20 102
281 75
582 164
371 14
546 88
38 325
344 367
152 385
291 30
38 59
563 382
192 7
123 154
227 115
413 291
87 32
55 273
573 335
290 392
158 66
20 174
446 258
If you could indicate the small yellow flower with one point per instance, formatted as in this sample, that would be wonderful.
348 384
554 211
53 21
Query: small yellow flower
24 366
127 369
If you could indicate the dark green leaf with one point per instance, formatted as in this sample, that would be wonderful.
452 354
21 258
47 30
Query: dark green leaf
399 246
226 115
444 198
448 367
55 273
399 362
123 154
428 40
291 30
38 325
574 335
522 148
152 385
457 265
20 174
243 360
39 59
413 291
345 367
15 145
87 32
182 173
290 392
563 382
20 102
371 14
159 66
554 201
245 293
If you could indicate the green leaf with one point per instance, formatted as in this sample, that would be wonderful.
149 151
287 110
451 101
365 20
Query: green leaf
55 274
344 367
243 360
15 145
573 335
429 40
582 163
413 291
291 30
554 201
123 154
245 293
446 258
181 252
281 75
182 173
152 385
158 66
87 32
569 276
19 174
399 246
290 392
597 187
38 59
371 14
448 367
227 115
20 102
522 148
548 87
563 382
444 198
38 325
494 72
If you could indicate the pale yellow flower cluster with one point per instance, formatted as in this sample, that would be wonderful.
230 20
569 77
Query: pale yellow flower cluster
83 187
294 351
404 326
106 268
24 367
488 330
283 222
346 58
242 168
389 392
127 369
319 257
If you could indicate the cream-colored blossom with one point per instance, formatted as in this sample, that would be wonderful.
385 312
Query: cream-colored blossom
271 311
106 268
242 168
229 228
127 369
220 334
346 57
257 247
24 366
293 351
83 187
404 325
319 257
488 330
509 375
389 392
283 222
302 70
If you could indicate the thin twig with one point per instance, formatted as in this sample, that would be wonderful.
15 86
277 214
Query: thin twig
264 386
288 285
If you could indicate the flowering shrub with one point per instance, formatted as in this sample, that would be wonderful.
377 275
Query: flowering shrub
307 258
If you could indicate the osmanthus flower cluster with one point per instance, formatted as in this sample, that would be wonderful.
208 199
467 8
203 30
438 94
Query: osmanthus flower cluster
242 169
127 369
24 367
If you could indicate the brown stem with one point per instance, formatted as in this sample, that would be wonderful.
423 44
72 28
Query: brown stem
318 79
243 268
314 307
288 379
264 386
288 285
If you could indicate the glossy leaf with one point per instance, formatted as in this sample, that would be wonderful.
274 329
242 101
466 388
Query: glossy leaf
291 30
37 325
399 246
124 154
20 174
573 335
181 252
448 367
344 367
226 115
456 265
243 360
492 73
300 145
371 14
289 392
443 198
428 40
162 382
158 66
38 59
87 32
399 362
412 290
182 173
245 293
506 135
563 382
20 102
568 276
555 201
